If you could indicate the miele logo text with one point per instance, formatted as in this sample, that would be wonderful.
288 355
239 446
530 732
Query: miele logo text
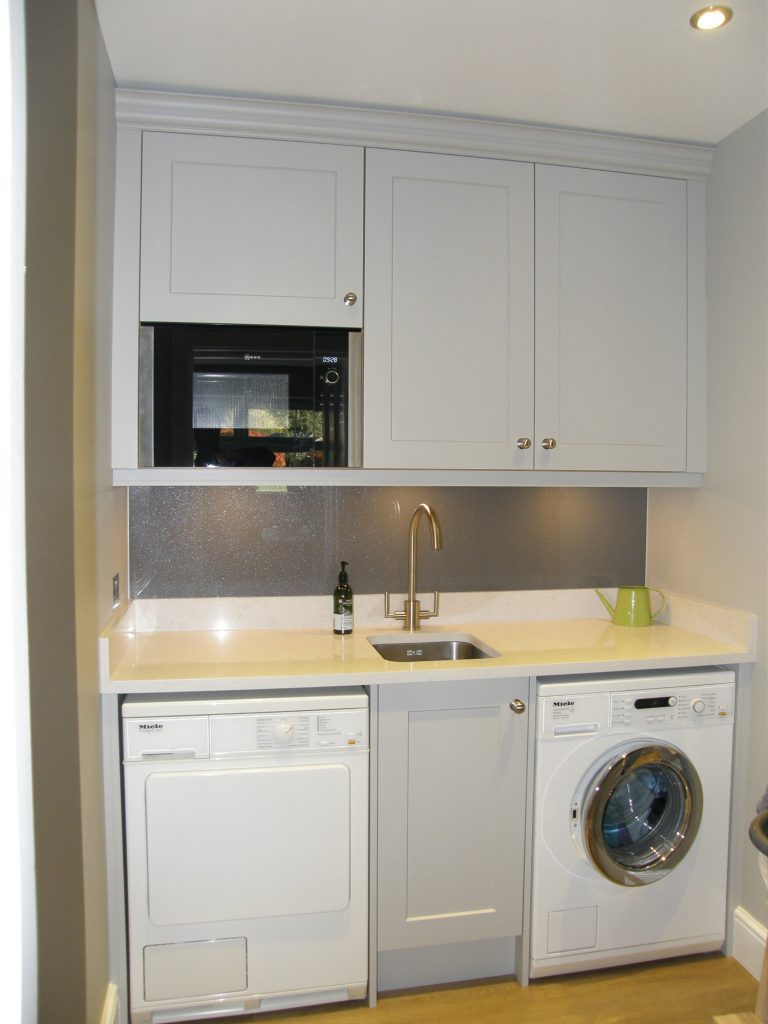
563 703
144 727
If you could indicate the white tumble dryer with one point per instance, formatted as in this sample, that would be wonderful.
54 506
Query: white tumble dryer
246 831
631 818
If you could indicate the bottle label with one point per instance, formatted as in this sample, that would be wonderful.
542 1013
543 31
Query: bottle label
342 622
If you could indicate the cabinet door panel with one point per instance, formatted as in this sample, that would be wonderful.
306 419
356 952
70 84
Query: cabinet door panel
250 231
611 320
452 767
443 886
448 329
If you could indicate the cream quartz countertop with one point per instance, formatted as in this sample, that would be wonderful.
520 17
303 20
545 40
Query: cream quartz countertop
188 645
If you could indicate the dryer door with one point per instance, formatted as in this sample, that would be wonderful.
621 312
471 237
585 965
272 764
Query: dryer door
641 813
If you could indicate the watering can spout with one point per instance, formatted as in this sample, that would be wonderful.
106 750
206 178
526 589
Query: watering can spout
606 602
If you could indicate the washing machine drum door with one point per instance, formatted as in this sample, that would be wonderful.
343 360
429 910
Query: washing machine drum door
640 813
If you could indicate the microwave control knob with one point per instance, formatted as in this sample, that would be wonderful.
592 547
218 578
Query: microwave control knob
350 299
331 377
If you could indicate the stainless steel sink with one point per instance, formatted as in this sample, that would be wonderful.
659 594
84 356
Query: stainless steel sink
443 647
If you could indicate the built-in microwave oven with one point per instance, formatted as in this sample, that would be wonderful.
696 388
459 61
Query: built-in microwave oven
223 395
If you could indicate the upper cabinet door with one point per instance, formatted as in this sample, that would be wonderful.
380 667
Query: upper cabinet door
611 321
249 231
449 312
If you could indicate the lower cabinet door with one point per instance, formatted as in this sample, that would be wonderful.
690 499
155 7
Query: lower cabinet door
452 771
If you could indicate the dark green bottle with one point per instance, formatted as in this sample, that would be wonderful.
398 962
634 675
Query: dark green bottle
342 603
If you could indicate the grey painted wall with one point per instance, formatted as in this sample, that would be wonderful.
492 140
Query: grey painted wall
72 512
51 37
244 541
710 542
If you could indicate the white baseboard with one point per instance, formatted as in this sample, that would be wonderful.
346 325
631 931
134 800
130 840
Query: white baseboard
749 938
110 1011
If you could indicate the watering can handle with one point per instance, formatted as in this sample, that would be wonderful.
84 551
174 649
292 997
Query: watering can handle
663 604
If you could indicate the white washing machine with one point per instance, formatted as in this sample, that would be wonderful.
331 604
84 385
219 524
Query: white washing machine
631 818
246 830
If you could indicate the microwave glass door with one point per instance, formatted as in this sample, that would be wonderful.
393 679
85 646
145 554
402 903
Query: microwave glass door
249 401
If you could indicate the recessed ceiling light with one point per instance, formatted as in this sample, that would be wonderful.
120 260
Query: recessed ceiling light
711 17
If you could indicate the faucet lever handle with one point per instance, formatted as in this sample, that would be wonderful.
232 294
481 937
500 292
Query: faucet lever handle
435 607
388 613
402 613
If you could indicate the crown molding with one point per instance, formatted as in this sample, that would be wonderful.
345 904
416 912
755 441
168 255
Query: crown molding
392 129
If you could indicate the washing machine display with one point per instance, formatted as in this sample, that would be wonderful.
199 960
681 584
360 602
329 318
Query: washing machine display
638 817
631 818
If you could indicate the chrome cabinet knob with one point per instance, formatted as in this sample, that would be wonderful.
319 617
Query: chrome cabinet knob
548 444
350 299
517 706
523 443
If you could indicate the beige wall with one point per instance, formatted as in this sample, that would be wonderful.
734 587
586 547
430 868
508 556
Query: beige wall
75 524
100 529
712 543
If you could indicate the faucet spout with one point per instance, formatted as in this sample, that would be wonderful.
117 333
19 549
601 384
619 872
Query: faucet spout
413 533
413 612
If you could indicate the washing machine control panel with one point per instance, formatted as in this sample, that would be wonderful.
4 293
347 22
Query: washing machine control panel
652 708
574 707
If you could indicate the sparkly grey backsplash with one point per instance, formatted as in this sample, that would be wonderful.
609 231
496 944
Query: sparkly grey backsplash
245 541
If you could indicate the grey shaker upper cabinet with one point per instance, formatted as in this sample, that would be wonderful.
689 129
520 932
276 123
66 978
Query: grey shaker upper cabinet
518 315
238 230
449 311
458 250
611 320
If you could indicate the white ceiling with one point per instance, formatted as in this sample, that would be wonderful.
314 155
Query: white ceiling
604 65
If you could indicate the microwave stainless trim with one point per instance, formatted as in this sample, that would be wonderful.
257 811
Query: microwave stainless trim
146 396
352 414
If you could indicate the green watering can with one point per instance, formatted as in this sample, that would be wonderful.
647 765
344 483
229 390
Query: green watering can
633 606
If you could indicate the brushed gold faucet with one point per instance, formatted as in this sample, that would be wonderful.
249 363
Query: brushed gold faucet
412 612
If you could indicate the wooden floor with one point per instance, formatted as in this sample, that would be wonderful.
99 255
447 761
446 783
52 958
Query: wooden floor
690 990
738 1018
